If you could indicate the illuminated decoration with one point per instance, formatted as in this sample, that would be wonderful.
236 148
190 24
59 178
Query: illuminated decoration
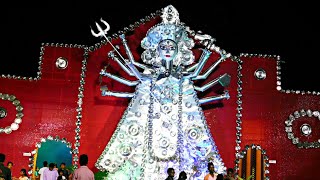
79 108
17 121
3 113
61 63
253 162
239 110
260 74
164 125
304 128
33 158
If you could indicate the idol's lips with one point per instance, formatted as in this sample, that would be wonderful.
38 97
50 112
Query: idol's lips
168 56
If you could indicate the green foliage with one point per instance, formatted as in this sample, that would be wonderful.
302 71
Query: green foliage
100 175
71 169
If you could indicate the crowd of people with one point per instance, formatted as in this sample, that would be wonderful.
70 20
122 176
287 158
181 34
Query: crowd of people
50 172
212 175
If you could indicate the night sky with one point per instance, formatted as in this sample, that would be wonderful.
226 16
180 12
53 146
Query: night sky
274 28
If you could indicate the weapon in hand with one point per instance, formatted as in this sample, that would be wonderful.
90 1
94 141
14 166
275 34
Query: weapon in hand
102 33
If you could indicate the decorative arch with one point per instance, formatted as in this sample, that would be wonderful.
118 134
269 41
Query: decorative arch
253 161
34 153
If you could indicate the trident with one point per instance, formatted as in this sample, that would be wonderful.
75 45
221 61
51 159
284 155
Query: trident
102 33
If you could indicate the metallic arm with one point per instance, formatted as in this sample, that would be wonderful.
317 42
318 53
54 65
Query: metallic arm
205 39
120 80
130 63
117 94
134 70
106 92
210 69
205 75
224 80
193 67
123 66
142 66
129 54
202 60
214 98
126 47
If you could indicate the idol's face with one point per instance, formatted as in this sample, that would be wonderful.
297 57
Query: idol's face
167 49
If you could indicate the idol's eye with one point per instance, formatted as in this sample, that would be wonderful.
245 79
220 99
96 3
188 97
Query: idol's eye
162 47
172 48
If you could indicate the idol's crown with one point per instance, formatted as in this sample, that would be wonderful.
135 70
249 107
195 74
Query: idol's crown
170 28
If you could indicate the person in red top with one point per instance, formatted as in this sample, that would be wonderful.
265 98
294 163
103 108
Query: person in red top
212 174
83 172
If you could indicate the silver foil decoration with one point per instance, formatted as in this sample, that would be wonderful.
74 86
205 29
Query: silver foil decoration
3 112
164 125
61 63
19 108
79 108
238 114
305 129
260 74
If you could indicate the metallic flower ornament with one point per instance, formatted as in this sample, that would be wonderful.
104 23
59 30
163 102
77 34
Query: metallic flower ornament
3 113
61 63
305 129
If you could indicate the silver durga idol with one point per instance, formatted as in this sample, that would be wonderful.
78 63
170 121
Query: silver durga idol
164 125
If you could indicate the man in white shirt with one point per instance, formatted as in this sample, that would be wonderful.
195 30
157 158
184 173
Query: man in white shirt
41 171
51 173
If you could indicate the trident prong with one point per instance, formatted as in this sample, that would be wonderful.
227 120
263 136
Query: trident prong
103 32
107 24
